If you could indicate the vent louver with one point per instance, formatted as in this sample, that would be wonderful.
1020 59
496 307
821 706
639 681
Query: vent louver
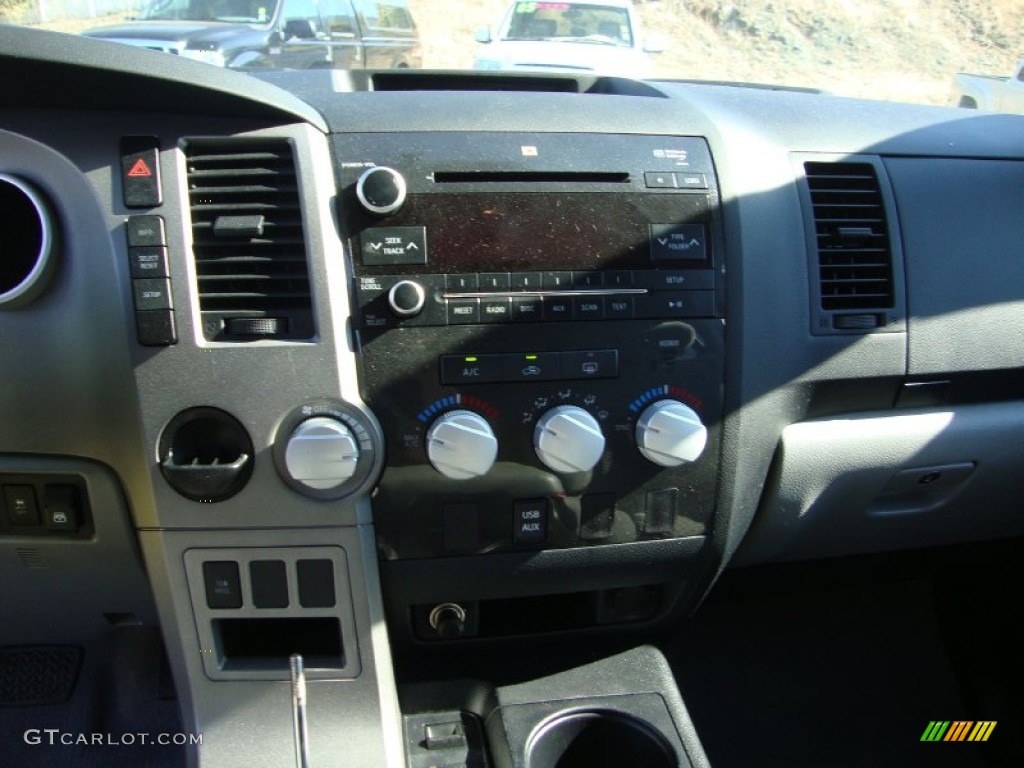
855 260
248 240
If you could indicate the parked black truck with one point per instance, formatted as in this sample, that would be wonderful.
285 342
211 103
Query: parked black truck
276 34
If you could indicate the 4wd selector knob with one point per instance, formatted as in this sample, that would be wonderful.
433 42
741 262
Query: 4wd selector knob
321 453
406 298
381 190
568 439
461 445
670 433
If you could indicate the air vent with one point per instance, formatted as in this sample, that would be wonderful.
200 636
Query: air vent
855 259
247 238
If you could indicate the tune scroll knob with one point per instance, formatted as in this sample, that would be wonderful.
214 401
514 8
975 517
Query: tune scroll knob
381 190
670 433
406 298
321 453
461 445
568 439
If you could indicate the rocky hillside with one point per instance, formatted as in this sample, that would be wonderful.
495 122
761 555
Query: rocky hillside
894 49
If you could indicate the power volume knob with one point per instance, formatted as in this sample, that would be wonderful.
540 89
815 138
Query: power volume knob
568 439
670 433
321 453
461 445
381 190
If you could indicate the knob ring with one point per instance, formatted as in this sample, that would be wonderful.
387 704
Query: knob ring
364 427
421 299
400 188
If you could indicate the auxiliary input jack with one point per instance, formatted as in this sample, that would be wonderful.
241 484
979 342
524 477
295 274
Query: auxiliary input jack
448 620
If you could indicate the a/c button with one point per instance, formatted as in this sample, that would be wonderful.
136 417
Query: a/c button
470 369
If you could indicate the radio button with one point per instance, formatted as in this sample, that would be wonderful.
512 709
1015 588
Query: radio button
618 307
618 278
691 181
659 180
674 304
587 279
556 281
558 308
526 281
527 309
495 310
494 281
468 283
678 242
463 311
677 279
588 308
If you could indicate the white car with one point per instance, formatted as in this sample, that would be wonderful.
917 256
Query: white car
600 37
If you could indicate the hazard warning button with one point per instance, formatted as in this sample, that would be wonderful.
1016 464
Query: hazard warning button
140 171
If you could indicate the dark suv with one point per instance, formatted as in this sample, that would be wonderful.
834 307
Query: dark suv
276 34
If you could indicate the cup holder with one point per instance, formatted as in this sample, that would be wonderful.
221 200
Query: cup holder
205 454
598 739
26 242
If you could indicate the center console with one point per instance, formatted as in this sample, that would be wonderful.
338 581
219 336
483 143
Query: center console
539 328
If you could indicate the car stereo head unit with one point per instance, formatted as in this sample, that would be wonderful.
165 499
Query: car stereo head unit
501 216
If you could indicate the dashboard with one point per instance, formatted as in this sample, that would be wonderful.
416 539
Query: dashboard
388 369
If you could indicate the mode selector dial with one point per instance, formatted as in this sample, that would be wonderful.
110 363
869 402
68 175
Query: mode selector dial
461 445
670 433
568 439
321 453
406 298
381 190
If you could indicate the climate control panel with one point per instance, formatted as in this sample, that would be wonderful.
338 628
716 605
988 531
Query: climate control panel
600 443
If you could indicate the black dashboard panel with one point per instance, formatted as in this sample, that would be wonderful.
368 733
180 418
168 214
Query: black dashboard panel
583 261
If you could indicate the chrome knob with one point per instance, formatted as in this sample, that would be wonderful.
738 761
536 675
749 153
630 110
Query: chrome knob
321 453
461 445
670 433
568 439
381 190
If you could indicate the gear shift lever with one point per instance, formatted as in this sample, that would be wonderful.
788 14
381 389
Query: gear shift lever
299 710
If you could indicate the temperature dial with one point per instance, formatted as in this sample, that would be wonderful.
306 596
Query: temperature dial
670 433
461 445
381 190
321 453
568 439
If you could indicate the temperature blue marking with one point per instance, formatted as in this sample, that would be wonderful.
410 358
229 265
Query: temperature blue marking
422 417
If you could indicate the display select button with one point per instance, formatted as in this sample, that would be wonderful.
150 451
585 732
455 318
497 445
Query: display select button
384 246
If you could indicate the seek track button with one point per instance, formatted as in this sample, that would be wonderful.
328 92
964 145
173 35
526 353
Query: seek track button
386 246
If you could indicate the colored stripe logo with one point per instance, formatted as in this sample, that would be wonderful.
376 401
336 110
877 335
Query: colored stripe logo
958 730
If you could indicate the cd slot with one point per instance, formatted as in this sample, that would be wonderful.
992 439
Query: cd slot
530 177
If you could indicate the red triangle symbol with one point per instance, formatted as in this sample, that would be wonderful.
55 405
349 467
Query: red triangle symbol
140 169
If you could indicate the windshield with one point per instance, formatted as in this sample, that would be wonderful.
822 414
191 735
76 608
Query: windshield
241 11
576 22
922 51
